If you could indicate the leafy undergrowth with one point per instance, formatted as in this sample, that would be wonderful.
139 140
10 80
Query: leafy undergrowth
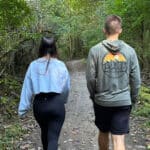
9 96
10 128
143 108
10 135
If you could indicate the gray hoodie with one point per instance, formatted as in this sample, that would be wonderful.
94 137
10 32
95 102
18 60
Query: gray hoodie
113 74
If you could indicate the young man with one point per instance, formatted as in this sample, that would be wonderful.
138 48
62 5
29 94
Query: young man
113 81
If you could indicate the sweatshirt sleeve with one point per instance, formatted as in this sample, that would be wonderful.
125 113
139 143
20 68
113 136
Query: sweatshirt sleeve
91 74
66 89
26 94
135 79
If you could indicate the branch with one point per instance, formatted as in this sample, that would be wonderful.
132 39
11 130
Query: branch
1 73
15 94
5 54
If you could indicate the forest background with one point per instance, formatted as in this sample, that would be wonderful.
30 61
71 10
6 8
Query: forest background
77 26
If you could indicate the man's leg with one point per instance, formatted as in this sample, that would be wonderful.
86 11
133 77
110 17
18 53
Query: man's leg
120 126
103 140
118 142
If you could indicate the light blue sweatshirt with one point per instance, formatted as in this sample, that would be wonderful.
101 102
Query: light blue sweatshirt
37 80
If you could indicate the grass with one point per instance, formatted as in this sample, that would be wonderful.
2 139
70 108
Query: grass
143 108
9 136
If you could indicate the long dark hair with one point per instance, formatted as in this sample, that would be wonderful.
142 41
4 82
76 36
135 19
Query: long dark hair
47 46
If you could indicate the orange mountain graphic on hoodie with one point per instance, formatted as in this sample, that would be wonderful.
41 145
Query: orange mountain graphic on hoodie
118 57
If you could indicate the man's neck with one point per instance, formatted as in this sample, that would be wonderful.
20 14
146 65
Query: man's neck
112 37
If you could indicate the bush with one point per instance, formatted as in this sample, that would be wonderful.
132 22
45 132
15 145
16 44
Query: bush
9 97
10 135
144 103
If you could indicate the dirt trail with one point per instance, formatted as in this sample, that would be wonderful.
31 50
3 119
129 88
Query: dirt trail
79 131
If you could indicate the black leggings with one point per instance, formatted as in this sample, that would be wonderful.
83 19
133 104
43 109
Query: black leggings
49 112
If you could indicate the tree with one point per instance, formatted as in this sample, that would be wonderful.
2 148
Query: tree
136 28
13 13
14 18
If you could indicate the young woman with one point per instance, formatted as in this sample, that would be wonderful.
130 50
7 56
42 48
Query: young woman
47 78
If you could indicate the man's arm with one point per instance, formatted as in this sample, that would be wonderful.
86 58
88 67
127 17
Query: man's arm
91 74
135 79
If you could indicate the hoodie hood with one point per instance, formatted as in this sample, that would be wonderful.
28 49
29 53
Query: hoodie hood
112 46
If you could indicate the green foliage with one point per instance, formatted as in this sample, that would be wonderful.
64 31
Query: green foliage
148 147
147 124
10 135
13 13
77 26
9 96
135 15
144 106
15 17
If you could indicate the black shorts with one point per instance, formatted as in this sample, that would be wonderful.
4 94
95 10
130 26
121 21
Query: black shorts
112 119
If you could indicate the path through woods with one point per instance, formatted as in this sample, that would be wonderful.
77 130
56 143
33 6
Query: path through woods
79 131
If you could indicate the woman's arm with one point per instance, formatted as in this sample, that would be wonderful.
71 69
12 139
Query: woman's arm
66 88
26 94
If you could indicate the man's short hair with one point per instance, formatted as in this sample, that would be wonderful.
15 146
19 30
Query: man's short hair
113 24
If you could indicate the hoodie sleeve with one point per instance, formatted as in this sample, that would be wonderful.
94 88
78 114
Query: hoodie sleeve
91 74
135 80
26 94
